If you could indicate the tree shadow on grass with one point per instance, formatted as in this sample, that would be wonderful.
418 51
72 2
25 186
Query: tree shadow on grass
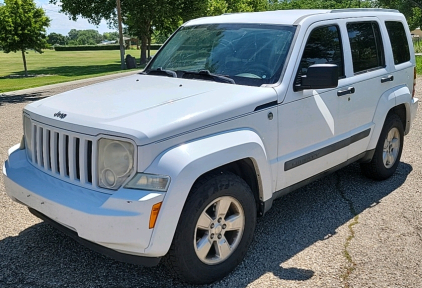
70 71
41 256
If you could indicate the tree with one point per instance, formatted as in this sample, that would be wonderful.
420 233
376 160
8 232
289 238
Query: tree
148 16
158 37
92 36
84 37
165 16
56 39
110 36
22 27
412 9
140 16
319 4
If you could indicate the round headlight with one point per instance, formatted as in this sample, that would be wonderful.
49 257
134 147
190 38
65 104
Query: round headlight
115 162
118 157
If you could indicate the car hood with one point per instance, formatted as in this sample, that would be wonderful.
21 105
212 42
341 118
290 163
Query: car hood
148 107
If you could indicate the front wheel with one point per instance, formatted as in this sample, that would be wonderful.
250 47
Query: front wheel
215 229
388 150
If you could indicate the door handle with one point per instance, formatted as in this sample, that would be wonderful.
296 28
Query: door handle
387 79
349 90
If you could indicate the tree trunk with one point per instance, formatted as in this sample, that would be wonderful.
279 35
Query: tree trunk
149 46
121 41
144 41
24 63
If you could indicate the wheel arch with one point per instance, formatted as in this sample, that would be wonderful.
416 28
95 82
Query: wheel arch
404 114
395 100
248 170
241 152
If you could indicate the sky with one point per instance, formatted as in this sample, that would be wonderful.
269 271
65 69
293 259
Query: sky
60 22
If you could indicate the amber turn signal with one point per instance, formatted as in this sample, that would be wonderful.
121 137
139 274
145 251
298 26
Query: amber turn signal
154 214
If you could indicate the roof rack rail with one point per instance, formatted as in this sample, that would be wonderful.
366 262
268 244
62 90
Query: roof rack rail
364 9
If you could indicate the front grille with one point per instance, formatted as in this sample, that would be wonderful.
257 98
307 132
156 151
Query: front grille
63 154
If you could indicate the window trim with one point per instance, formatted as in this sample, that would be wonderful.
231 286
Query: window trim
343 76
378 42
391 42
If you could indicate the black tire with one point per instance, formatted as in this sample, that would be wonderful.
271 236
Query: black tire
217 188
378 168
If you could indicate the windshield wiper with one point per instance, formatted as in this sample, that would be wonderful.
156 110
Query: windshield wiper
162 72
207 74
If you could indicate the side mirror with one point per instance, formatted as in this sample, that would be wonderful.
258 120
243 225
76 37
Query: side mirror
319 76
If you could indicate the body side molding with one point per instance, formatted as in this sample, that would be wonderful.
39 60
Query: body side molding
325 150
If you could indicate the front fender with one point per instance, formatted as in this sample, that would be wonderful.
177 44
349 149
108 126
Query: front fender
186 163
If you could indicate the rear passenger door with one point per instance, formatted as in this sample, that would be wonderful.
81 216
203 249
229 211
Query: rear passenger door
368 78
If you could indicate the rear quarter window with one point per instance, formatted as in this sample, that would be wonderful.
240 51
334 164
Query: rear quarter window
398 40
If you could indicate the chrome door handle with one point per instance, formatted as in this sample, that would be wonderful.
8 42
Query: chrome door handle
387 79
349 90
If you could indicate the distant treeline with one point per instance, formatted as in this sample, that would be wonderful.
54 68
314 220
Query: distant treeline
95 47
81 37
92 37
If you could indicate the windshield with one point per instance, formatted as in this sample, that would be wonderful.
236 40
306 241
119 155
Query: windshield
249 54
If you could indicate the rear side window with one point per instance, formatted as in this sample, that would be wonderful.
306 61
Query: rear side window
366 44
323 47
398 41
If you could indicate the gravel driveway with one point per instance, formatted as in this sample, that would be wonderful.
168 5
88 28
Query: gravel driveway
341 231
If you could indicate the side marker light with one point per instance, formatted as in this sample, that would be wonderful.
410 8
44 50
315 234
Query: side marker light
154 214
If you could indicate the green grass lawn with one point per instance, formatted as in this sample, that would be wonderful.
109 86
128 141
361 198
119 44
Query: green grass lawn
419 65
55 67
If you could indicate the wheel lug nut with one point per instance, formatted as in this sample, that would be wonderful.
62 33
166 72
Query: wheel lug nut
224 226
219 220
219 236
212 226
212 236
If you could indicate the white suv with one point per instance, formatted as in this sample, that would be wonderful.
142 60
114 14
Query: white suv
233 112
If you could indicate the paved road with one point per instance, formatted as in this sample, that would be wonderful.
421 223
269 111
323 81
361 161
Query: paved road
341 231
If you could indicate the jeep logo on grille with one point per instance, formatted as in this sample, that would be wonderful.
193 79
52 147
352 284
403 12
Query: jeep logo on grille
60 115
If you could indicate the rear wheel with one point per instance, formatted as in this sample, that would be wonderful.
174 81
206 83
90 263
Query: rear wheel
388 150
215 229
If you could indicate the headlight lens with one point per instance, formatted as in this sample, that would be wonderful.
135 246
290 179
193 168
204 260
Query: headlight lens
149 182
115 162
27 130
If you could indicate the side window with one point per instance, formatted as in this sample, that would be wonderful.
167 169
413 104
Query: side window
323 47
366 44
398 41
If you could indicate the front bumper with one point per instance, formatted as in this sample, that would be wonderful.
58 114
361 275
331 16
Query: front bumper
133 259
117 222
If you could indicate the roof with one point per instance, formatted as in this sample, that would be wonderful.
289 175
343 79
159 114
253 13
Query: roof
283 17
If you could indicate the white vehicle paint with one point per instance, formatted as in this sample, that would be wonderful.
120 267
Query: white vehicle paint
97 160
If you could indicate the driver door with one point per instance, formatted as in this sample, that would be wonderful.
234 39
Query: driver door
312 136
